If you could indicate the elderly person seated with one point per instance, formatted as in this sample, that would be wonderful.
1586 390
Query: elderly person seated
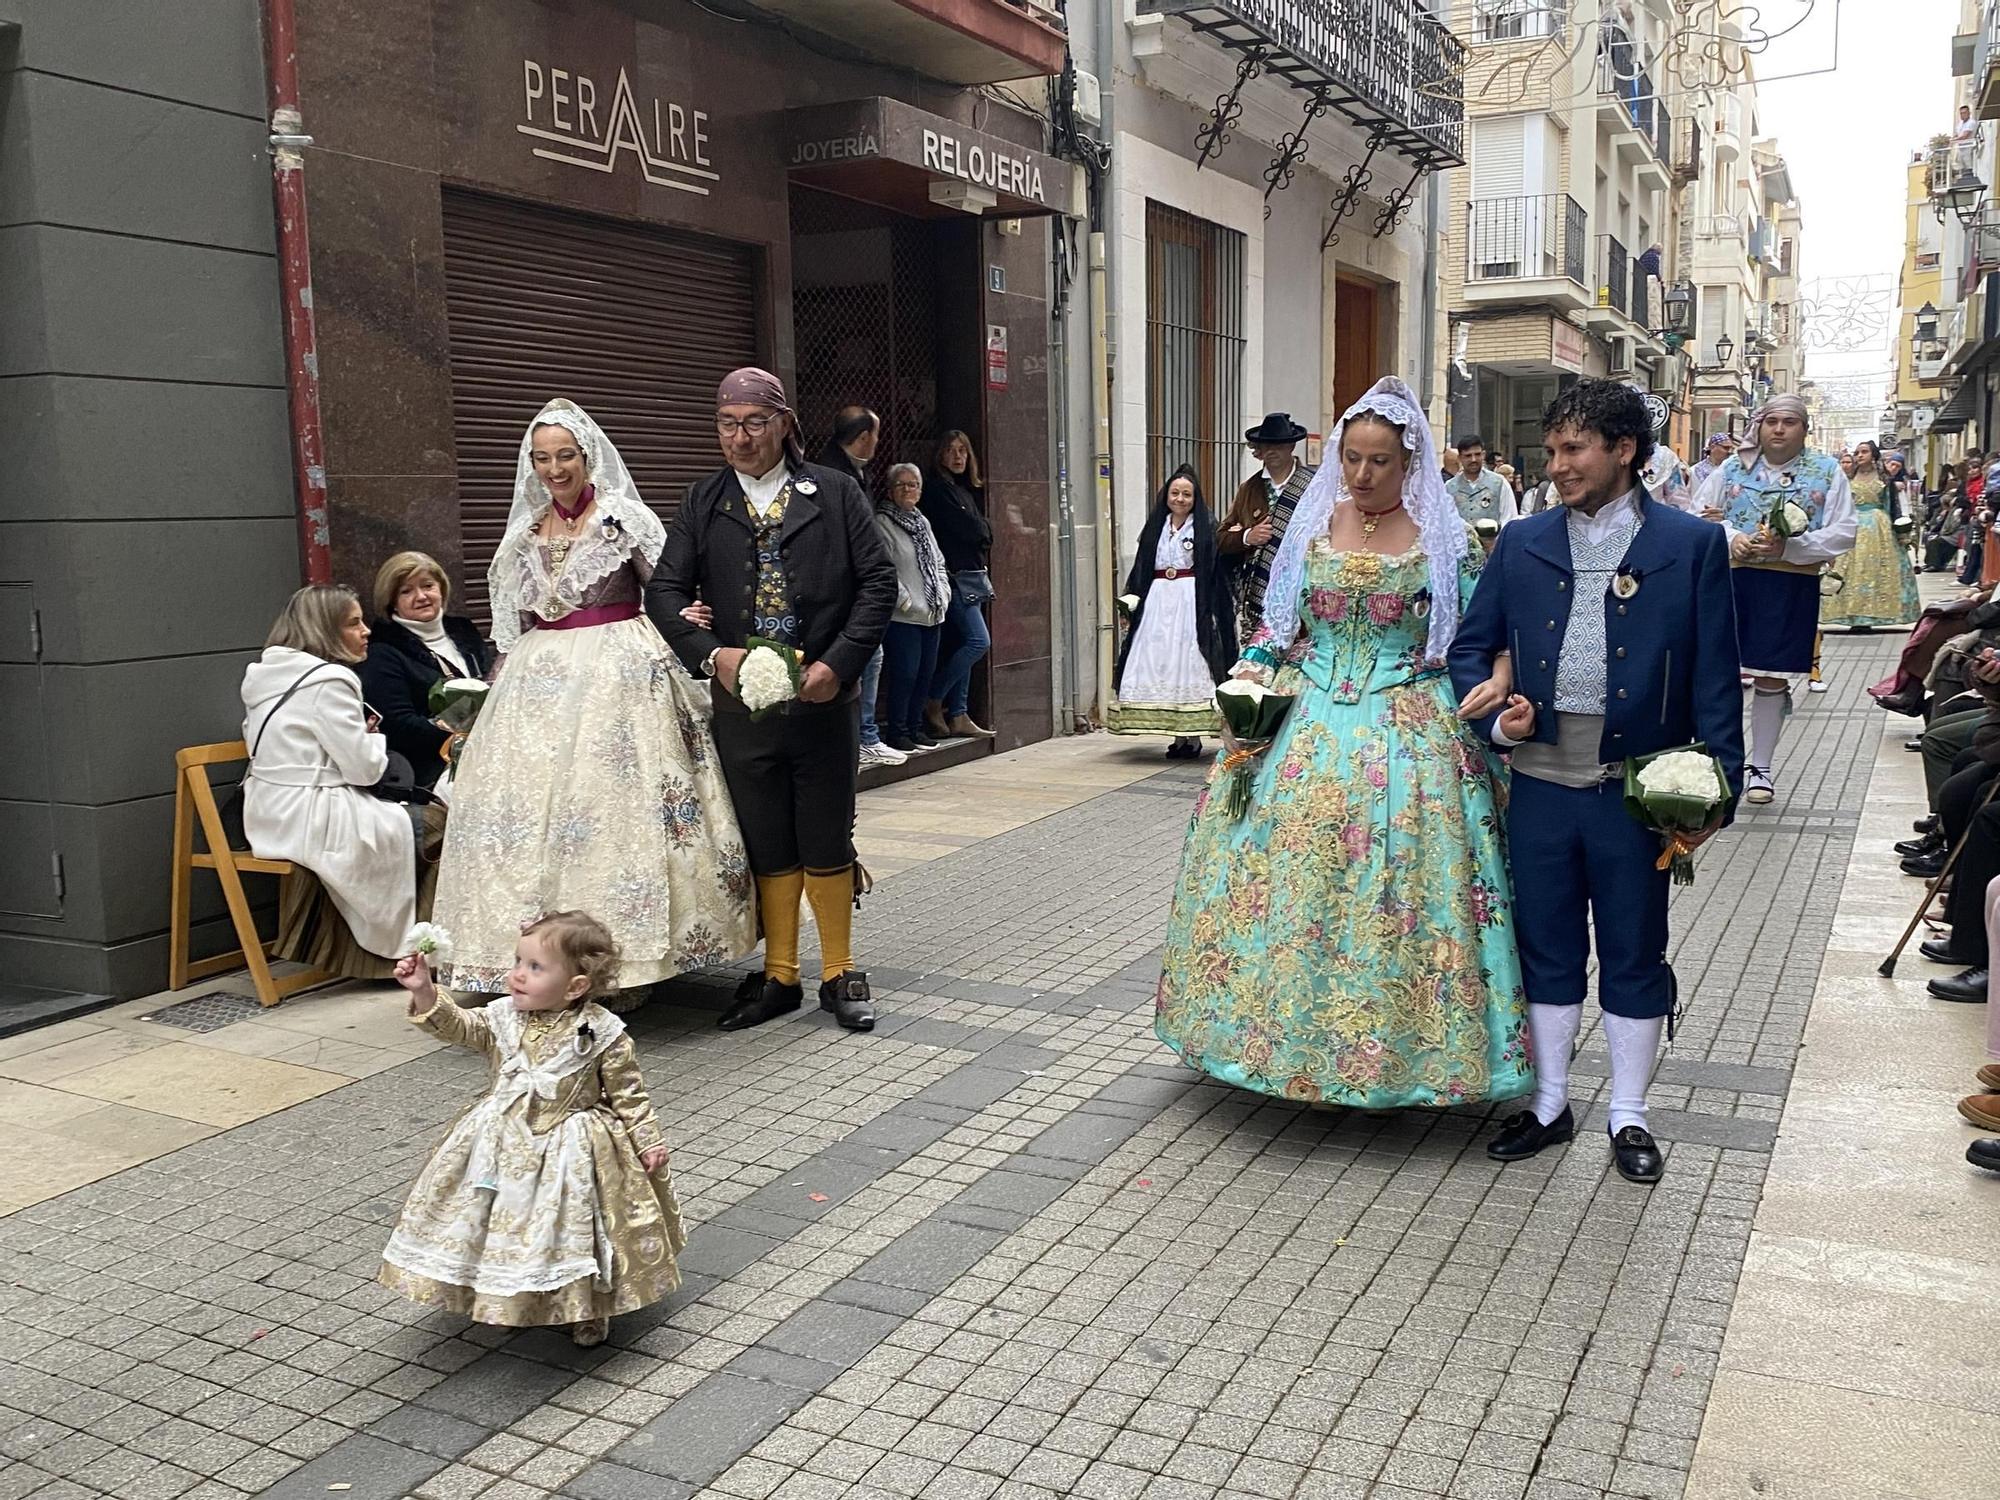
412 645
316 795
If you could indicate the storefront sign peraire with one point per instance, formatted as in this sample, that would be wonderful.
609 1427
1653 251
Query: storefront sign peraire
573 122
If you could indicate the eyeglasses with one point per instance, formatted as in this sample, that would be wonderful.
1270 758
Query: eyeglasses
906 484
755 426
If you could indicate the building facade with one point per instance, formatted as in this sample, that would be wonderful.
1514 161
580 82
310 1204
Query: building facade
508 201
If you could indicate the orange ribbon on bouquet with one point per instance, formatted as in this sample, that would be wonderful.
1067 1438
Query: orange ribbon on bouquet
1677 847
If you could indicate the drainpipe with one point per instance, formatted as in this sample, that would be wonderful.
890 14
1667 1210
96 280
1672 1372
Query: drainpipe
288 186
1104 354
1427 390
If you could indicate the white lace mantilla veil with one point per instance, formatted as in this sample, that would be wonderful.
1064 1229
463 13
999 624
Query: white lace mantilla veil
1440 530
517 579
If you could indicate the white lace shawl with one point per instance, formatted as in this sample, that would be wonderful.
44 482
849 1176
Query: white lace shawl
518 580
1440 530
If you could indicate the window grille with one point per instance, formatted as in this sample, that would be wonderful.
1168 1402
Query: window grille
1194 350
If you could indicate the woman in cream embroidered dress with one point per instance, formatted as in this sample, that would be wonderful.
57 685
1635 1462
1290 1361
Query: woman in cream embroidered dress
1350 939
538 1206
590 780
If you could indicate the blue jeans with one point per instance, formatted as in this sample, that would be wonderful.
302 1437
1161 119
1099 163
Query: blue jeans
871 685
967 641
911 658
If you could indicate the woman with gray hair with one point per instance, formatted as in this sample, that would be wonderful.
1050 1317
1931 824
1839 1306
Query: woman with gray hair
923 594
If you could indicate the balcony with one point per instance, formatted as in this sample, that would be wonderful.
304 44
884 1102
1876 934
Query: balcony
1518 20
1729 127
1614 268
1384 65
1527 250
1634 116
1986 64
959 41
1685 163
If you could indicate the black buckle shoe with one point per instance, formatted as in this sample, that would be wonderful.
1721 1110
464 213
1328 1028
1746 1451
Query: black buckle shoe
760 999
1637 1155
1522 1135
1968 988
1929 843
847 999
1938 951
1925 866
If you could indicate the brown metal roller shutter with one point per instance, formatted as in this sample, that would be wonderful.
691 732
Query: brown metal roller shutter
636 325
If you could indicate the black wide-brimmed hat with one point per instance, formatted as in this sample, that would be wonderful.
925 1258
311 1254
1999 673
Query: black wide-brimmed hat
1277 427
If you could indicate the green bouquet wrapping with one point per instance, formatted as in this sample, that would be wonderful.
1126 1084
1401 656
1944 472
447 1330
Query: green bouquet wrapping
1254 715
1677 794
1786 517
455 702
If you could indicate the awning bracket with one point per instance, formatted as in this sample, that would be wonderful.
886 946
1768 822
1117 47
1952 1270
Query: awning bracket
1292 148
1396 207
1214 133
1352 186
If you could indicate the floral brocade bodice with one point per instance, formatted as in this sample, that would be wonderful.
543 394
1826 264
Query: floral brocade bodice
1365 620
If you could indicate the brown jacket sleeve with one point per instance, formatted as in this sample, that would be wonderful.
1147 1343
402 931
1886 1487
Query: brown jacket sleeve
1245 511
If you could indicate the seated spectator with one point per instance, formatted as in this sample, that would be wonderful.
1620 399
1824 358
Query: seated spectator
1983 1108
316 755
412 645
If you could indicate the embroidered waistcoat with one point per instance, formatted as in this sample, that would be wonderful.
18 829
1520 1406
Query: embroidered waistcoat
1580 667
774 616
1748 493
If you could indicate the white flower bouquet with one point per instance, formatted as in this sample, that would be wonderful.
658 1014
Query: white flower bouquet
1254 715
768 677
1787 518
1677 794
429 941
455 703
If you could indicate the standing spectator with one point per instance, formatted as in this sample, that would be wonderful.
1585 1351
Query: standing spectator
857 432
1183 637
786 550
316 750
923 593
1720 446
1972 564
1479 493
1262 509
412 646
954 506
1965 143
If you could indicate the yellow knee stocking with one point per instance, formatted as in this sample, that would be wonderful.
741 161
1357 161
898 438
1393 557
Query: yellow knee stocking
778 901
832 895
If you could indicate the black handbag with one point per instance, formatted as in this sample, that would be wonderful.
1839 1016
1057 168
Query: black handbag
974 587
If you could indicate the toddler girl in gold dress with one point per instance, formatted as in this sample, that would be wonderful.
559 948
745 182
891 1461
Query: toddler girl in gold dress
549 1201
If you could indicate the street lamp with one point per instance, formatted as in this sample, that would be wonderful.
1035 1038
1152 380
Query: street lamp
1725 349
1679 306
1927 324
1965 197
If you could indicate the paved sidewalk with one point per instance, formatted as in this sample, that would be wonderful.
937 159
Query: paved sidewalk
999 1248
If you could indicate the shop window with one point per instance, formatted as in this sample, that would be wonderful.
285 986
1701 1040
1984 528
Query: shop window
1194 349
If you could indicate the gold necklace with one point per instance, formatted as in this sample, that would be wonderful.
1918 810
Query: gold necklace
559 545
1370 519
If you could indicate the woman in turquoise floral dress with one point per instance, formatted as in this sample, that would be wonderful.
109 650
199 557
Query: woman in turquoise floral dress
1349 939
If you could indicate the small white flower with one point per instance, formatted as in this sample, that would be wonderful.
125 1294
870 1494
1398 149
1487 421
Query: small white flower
764 679
1685 773
428 939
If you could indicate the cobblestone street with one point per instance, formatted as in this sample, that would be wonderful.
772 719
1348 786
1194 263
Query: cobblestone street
1001 1247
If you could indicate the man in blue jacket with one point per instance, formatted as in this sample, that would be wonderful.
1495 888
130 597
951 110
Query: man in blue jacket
1647 661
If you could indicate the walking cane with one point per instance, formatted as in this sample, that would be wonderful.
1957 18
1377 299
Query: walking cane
1888 968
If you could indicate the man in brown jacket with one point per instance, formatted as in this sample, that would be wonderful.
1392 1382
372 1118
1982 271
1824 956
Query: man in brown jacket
1249 535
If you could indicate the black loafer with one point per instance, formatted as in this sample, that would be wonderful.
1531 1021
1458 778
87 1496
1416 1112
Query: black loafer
1968 988
847 999
1984 1154
1925 825
1637 1155
1928 866
760 999
1938 951
1929 843
1522 1135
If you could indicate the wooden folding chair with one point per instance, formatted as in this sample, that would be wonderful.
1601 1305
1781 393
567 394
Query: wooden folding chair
194 800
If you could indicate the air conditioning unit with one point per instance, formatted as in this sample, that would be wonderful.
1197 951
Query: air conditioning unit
1621 356
1670 374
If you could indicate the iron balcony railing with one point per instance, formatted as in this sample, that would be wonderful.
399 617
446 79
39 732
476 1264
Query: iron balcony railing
1619 77
1533 238
1686 161
1518 20
1642 296
1387 64
1613 271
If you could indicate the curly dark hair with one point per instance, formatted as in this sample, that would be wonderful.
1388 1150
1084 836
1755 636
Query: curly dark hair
1608 408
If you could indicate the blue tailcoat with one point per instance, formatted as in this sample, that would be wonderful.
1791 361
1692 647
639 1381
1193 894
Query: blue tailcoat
1672 675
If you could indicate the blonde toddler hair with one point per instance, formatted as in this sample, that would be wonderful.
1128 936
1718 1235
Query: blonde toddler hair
586 946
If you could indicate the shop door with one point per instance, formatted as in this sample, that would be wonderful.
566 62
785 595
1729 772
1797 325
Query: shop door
885 314
633 323
1357 362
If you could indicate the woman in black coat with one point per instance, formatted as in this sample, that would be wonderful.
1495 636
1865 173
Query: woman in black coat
413 644
954 505
1183 636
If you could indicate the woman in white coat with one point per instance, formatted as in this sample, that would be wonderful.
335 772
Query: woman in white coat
315 748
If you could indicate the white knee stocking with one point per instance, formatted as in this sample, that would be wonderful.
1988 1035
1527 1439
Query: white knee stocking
1552 1032
1635 1046
1767 721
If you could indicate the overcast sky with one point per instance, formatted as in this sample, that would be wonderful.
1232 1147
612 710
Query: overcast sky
1872 82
